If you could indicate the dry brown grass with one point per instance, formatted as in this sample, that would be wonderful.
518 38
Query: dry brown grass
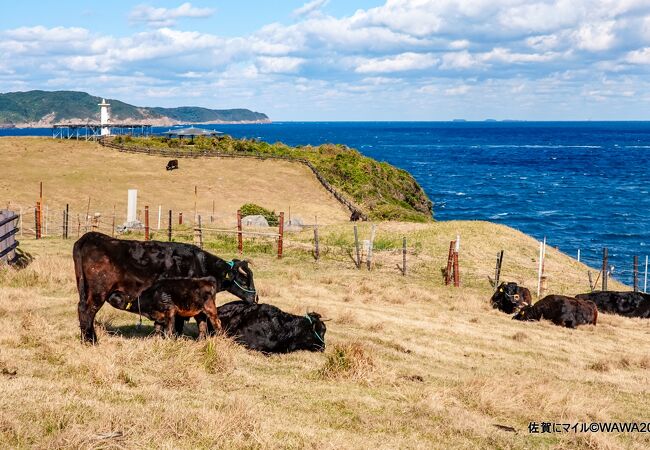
410 362
72 171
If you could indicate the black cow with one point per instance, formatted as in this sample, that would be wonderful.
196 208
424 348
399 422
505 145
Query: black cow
629 304
169 298
267 329
510 298
561 310
104 265
356 216
172 164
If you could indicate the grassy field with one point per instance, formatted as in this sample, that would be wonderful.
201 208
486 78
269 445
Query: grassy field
72 172
410 363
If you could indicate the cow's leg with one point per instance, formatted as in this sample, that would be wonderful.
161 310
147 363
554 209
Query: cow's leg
169 322
210 309
201 317
202 323
179 324
87 310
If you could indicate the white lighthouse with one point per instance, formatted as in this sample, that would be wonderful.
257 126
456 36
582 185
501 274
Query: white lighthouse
104 117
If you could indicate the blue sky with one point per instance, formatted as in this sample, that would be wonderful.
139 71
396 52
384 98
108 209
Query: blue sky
342 60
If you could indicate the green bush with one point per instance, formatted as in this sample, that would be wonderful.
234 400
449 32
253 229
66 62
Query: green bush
251 209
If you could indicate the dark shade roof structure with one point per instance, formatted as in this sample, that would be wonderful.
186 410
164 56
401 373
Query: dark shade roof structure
191 132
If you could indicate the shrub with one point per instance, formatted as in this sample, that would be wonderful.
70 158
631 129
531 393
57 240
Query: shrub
251 209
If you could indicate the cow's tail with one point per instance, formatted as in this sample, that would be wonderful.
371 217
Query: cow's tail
78 271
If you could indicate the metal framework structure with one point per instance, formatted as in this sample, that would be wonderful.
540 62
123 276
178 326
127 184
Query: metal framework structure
92 131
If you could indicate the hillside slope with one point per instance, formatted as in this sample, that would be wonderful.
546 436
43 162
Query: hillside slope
410 363
45 107
383 191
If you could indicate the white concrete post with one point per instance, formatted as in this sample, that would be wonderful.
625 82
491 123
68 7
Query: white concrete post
132 206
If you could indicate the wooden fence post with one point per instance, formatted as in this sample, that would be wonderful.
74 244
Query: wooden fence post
456 264
450 262
63 224
404 256
198 232
67 221
159 216
636 273
113 222
280 235
146 223
78 225
180 218
645 277
497 270
169 226
356 246
316 244
240 238
604 275
47 213
37 225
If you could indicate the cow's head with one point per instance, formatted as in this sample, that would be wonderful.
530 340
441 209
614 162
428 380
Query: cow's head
526 313
510 292
238 280
314 337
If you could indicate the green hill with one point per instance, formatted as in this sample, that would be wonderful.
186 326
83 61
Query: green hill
50 107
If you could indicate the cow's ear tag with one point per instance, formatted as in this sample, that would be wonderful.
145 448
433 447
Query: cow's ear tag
228 276
501 290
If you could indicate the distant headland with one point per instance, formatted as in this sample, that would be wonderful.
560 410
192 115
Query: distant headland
34 109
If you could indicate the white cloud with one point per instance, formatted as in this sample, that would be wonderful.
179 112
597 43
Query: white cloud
458 90
595 37
640 56
166 17
310 7
460 60
285 64
399 63
538 49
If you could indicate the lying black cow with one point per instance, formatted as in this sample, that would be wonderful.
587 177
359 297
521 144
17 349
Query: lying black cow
104 265
169 298
564 311
629 304
267 329
172 164
510 298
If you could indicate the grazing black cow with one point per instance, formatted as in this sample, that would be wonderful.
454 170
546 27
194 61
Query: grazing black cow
172 164
561 310
629 304
510 298
104 265
169 298
267 329
355 216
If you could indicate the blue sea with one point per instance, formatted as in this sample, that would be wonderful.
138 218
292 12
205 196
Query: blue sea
583 185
